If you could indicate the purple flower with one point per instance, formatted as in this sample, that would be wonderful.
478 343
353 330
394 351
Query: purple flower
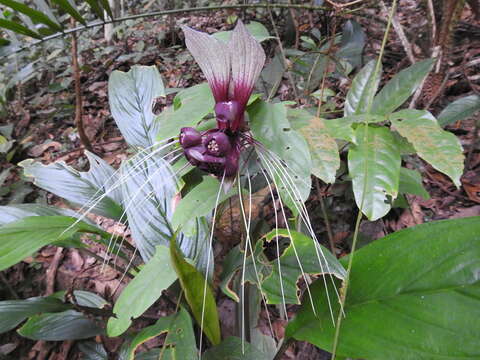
231 70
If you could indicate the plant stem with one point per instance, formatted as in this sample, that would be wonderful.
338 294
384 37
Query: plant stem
346 281
78 95
325 216
170 12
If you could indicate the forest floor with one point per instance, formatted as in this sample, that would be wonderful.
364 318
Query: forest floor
42 120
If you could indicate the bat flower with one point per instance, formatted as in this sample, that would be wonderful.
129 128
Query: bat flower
231 70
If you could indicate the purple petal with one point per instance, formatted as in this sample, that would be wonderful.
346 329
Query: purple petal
213 58
189 137
248 59
218 144
226 112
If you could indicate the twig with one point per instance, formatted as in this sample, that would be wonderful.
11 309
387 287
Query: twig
78 95
431 12
325 216
52 271
401 34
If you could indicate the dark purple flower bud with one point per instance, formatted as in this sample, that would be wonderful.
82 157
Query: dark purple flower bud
217 143
226 112
189 137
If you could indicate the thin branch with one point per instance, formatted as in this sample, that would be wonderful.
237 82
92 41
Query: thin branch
325 216
169 12
78 95
401 35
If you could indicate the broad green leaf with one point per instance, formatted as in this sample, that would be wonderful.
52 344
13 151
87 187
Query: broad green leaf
198 294
413 295
22 238
180 337
33 14
400 87
15 311
436 146
153 278
364 86
18 28
323 150
150 187
199 202
191 106
66 325
69 7
131 95
256 29
74 186
336 128
92 351
232 349
270 127
411 183
459 109
87 298
374 166
314 258
11 213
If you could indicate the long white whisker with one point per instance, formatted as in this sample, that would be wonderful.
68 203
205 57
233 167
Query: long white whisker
284 303
248 242
306 219
210 247
290 234
138 192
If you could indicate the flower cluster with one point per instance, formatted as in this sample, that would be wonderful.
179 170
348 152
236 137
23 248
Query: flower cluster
231 70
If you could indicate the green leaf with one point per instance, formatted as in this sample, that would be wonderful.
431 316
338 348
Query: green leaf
66 325
33 14
232 349
314 260
69 7
153 278
270 126
106 7
22 238
74 186
414 294
364 86
11 213
436 146
18 28
199 202
192 105
400 87
459 109
374 166
150 187
256 29
180 336
92 351
15 311
336 128
131 95
198 294
411 183
323 150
